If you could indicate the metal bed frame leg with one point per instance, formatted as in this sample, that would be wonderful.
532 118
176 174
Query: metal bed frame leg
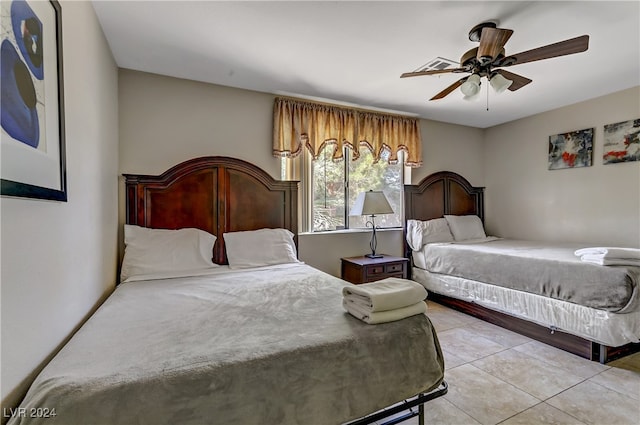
418 401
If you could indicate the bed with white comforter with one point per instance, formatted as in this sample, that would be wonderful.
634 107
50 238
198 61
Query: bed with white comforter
599 325
266 345
584 302
543 282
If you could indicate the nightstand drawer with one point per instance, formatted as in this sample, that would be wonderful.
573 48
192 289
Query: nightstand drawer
393 268
374 270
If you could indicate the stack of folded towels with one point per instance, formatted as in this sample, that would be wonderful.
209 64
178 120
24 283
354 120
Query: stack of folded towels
386 300
610 256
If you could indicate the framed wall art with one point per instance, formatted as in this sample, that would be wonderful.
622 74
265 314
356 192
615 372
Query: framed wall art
621 142
32 138
571 150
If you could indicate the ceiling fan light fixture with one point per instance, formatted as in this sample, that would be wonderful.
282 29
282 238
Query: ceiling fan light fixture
471 86
483 61
499 82
472 98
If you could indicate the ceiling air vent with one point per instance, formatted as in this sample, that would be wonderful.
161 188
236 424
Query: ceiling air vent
438 64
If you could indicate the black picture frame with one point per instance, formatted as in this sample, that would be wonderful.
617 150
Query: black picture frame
33 155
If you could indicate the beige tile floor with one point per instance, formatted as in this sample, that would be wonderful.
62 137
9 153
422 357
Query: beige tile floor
496 376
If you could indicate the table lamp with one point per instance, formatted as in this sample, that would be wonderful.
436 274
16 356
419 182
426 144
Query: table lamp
371 203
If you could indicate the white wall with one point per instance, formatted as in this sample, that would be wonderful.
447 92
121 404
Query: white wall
450 147
597 205
324 250
59 258
165 120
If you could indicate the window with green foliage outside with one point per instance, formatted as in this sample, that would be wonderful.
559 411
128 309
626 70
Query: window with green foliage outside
336 185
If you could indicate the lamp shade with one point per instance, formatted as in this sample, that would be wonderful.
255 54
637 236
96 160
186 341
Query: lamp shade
471 86
499 83
371 203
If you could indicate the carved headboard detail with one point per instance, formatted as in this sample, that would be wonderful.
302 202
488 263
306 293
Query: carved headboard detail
444 192
215 193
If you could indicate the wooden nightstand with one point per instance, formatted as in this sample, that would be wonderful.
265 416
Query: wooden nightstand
363 269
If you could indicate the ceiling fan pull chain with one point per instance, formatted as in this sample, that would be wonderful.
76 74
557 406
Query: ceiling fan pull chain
487 98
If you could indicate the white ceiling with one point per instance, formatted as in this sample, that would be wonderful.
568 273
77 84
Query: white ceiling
353 52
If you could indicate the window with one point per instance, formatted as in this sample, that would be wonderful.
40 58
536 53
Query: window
329 189
328 132
328 183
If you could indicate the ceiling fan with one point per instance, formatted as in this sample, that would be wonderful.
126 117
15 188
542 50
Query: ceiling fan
487 59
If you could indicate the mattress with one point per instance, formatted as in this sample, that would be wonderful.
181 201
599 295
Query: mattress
258 346
600 326
550 270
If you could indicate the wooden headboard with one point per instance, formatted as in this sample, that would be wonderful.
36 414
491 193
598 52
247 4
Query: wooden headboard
444 192
215 193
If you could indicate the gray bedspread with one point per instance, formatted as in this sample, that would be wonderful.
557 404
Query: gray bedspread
242 347
551 270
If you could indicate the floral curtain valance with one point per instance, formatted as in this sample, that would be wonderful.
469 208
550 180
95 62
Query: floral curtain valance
297 124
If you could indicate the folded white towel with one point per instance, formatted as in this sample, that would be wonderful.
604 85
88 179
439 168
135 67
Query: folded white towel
609 252
598 259
385 294
373 318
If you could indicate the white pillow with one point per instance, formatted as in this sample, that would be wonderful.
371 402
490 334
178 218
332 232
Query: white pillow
149 251
264 247
420 233
465 227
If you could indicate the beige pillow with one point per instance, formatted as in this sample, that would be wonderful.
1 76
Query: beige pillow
465 227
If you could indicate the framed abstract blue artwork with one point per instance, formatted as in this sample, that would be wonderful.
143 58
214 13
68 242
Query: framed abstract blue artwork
32 138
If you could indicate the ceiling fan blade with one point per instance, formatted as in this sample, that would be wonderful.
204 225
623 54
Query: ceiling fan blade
433 72
492 42
518 80
449 89
562 48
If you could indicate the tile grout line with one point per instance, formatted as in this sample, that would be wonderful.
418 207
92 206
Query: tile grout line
547 361
500 379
